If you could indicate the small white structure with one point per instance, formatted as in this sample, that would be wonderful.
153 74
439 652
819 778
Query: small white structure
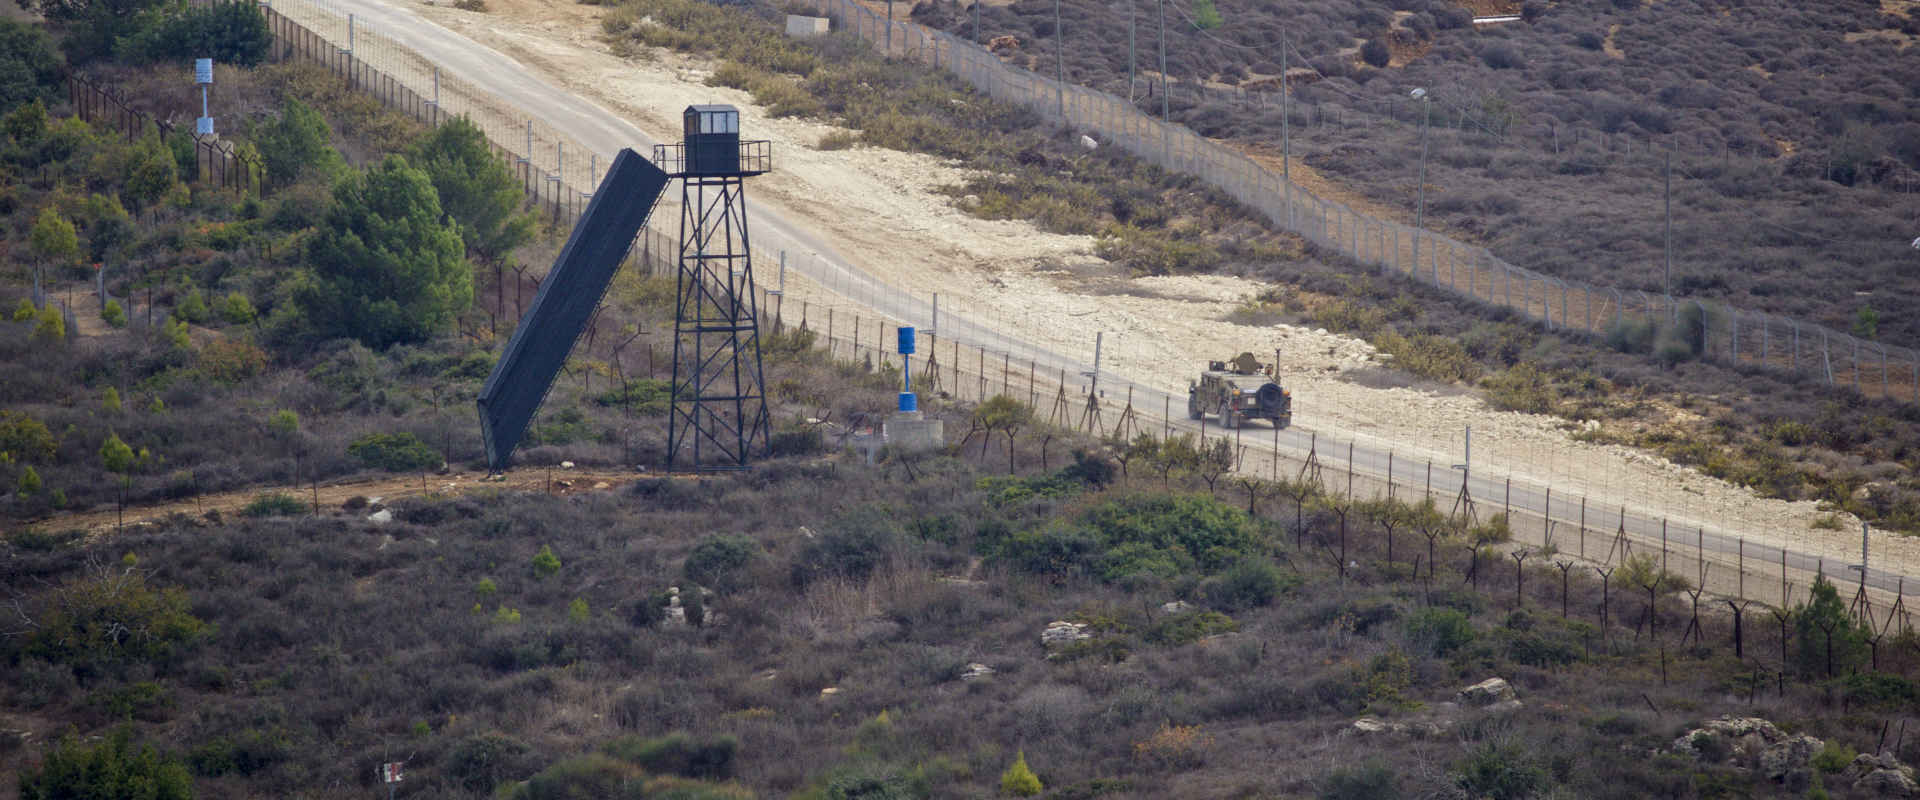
800 27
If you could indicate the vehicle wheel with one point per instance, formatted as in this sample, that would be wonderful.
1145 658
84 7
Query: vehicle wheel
1193 407
1227 418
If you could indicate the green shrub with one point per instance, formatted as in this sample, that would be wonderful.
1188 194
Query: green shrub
25 438
480 762
716 562
394 452
228 33
1631 334
1522 388
1499 771
193 309
146 699
579 777
1189 627
236 309
1019 780
1878 690
1369 781
1249 584
114 768
1438 357
643 396
24 311
797 441
274 504
113 314
577 611
678 754
545 563
29 483
851 547
1834 757
1439 631
1375 53
52 326
111 617
243 753
835 140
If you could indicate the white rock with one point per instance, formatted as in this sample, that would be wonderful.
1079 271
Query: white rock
1061 633
381 517
1486 693
976 671
1176 607
566 465
1088 142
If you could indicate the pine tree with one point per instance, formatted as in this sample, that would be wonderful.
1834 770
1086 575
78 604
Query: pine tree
387 268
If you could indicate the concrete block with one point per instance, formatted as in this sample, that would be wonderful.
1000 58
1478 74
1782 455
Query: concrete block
911 431
800 27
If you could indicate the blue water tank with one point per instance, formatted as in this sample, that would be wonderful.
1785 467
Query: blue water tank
908 402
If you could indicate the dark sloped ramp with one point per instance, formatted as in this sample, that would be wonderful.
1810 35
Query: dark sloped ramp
566 301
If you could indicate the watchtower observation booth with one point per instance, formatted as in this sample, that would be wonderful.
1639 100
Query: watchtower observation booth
710 146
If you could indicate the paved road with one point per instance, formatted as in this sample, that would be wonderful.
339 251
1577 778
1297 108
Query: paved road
606 132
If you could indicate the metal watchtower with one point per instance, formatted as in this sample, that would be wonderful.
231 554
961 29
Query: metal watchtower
719 416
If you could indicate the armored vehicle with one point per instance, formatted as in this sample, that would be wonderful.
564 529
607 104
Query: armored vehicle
1239 390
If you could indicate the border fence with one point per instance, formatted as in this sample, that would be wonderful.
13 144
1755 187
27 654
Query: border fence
1726 334
218 166
969 356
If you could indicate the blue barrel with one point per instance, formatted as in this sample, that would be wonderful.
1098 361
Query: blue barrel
908 402
906 343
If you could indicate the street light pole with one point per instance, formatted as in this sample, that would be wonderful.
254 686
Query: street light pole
1420 216
1166 86
1059 61
1667 191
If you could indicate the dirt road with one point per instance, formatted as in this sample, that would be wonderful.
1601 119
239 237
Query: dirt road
329 497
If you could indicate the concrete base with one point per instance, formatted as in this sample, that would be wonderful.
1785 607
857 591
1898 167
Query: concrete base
800 27
912 432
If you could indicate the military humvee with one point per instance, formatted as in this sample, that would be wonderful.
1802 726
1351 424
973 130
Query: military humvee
1239 390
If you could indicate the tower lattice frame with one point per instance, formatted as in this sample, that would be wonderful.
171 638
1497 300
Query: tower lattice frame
719 417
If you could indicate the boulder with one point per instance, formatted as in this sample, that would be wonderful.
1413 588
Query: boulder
381 517
1783 760
1881 775
1486 693
1374 725
976 671
1062 633
1754 743
1176 607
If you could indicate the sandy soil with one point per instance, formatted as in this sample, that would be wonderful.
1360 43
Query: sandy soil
883 210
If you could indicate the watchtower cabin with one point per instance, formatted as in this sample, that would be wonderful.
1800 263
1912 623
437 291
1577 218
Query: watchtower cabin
710 146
